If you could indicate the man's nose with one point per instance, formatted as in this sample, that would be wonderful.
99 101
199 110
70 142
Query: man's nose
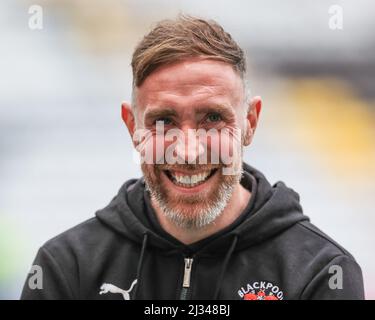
189 147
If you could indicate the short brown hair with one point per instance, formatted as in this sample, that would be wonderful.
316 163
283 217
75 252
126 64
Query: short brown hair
174 40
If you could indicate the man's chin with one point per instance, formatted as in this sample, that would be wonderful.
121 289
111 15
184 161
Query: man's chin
196 219
196 211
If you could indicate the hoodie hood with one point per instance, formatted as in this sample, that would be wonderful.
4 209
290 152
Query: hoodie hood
274 209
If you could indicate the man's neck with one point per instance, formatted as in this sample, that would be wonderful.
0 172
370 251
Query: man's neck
239 200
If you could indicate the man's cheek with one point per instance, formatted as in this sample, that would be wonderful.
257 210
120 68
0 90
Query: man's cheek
213 152
153 150
226 149
230 152
209 148
159 149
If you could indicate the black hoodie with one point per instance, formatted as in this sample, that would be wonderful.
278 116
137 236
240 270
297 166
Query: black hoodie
270 252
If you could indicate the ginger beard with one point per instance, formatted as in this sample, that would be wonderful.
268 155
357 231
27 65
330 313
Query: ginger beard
195 207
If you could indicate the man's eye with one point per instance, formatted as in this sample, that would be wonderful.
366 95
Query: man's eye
165 121
214 117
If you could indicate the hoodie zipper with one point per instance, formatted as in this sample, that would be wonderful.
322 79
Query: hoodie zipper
186 279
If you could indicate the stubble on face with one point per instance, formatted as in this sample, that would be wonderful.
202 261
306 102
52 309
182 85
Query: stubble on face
193 211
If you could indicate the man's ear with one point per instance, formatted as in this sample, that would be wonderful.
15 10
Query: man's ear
252 118
128 117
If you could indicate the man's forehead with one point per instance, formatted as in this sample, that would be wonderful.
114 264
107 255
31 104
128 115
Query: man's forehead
190 73
190 80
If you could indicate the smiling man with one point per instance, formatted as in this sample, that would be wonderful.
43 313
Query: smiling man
191 196
200 223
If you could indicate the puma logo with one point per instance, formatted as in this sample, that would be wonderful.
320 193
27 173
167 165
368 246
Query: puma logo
107 287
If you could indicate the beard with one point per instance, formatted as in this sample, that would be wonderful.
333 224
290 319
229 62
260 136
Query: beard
192 211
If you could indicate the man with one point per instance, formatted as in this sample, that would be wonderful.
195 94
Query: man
200 223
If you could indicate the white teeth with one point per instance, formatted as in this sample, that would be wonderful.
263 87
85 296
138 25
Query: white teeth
186 180
191 180
194 179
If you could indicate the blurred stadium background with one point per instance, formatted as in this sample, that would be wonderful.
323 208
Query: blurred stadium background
64 151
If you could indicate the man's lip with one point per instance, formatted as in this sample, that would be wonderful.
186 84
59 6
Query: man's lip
189 172
189 190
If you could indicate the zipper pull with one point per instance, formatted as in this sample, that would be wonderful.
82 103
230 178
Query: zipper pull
187 272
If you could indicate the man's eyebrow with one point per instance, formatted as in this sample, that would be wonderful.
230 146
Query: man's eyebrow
159 112
219 108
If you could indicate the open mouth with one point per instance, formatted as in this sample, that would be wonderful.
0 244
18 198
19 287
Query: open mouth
189 180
